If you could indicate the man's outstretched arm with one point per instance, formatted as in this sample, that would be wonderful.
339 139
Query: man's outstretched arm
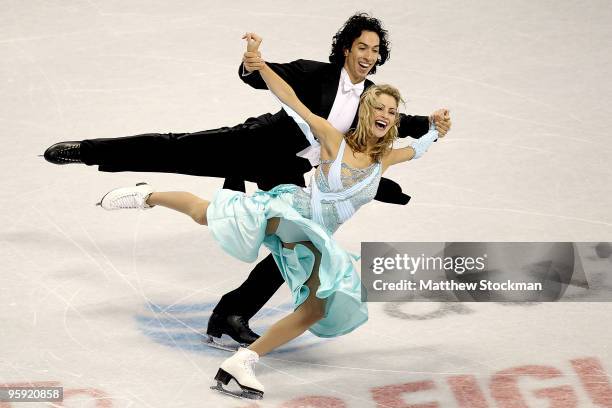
413 126
297 74
417 126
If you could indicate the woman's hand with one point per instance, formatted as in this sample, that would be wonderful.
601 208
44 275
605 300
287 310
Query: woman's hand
253 41
441 118
252 57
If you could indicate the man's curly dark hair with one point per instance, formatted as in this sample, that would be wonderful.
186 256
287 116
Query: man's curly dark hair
351 30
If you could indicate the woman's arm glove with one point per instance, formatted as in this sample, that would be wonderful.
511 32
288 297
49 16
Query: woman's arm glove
421 145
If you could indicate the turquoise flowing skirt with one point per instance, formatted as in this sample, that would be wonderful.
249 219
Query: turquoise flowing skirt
238 223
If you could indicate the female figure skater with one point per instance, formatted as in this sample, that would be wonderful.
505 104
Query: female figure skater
296 224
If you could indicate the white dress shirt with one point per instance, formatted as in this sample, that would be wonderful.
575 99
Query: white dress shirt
341 115
346 103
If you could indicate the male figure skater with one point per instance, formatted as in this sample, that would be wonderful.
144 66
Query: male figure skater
269 146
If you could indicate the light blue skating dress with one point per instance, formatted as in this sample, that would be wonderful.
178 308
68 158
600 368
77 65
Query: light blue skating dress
336 191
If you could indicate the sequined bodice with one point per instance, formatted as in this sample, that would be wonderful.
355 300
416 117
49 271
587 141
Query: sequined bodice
349 177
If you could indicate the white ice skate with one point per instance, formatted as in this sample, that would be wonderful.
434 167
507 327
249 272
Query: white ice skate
239 368
127 197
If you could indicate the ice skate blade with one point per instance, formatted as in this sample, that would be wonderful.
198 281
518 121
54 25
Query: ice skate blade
99 203
213 342
244 394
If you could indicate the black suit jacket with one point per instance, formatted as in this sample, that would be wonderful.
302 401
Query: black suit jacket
316 84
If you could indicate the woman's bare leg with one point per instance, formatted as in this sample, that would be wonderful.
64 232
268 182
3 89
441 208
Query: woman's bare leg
307 314
181 201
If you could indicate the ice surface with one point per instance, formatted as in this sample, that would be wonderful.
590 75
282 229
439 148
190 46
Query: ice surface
110 306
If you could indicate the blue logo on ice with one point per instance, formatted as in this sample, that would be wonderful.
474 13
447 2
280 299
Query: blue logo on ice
183 326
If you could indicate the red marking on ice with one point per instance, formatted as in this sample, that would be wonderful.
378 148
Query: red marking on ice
594 380
390 396
467 392
560 397
505 389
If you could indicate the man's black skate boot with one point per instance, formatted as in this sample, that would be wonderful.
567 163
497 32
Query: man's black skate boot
64 153
237 327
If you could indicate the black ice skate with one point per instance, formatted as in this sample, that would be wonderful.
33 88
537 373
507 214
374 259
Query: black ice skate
64 153
236 327
239 368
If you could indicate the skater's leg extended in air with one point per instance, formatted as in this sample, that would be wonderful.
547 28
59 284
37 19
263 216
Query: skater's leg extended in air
182 201
143 196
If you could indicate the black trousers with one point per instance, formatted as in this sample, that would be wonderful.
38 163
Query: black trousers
232 153
247 151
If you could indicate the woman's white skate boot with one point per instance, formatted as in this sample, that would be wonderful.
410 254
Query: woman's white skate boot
127 197
239 368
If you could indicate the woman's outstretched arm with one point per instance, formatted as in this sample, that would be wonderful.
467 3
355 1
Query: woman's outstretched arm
321 128
418 148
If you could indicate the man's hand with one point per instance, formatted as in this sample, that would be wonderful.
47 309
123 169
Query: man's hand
251 59
441 118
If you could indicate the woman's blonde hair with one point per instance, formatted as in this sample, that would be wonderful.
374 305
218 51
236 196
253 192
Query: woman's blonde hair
357 139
